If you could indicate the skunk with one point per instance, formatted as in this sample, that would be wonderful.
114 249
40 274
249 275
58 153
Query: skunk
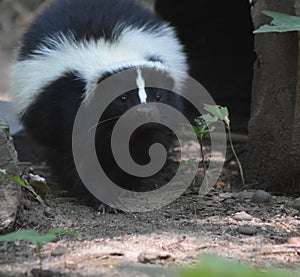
70 48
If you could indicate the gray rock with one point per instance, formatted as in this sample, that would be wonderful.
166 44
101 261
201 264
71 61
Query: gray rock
261 196
247 230
242 216
296 204
59 251
10 192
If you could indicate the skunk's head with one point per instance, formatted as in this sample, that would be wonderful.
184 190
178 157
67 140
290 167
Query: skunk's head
136 87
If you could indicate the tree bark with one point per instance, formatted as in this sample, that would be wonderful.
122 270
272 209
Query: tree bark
274 128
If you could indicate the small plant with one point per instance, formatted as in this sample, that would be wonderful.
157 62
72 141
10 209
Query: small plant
281 23
33 183
212 266
35 238
16 179
204 126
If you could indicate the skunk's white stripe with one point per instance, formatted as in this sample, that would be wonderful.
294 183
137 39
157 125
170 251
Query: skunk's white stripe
141 86
93 58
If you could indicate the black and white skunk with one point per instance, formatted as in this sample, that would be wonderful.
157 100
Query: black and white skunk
66 52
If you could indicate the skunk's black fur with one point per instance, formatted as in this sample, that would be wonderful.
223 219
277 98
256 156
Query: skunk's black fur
65 52
91 19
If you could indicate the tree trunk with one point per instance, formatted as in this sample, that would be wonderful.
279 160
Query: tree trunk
274 128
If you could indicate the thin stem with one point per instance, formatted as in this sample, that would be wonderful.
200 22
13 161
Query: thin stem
202 156
204 187
39 253
235 155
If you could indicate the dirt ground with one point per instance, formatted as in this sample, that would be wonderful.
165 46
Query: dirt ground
156 243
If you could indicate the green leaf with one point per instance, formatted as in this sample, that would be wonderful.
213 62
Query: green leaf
281 23
28 235
213 109
201 126
32 236
14 178
60 231
196 130
225 116
211 266
221 113
208 118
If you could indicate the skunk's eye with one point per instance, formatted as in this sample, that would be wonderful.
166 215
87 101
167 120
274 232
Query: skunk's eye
157 96
123 98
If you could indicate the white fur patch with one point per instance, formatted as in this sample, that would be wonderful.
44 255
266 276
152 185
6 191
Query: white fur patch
93 58
141 86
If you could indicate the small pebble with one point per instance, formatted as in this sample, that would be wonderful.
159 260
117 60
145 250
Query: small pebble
48 212
154 257
261 196
294 240
70 265
242 216
247 230
296 204
59 251
223 186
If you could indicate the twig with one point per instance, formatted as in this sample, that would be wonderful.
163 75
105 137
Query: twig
235 155
280 252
